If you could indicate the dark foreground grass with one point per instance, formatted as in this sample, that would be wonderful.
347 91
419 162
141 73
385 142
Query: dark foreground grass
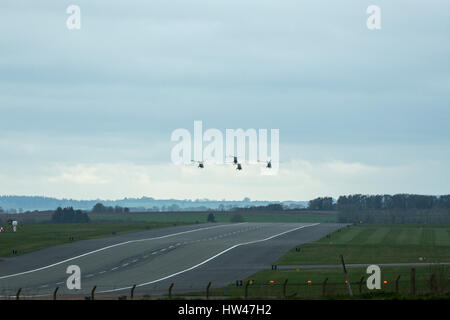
376 244
31 237
308 284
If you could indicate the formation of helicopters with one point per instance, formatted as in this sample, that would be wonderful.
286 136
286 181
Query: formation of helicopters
235 162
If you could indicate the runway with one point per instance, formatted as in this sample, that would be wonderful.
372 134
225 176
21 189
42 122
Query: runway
188 256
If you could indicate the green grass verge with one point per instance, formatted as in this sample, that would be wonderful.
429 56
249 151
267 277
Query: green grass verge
31 237
298 287
220 217
376 244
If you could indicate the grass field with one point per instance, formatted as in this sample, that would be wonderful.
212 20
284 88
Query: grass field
31 237
376 244
299 287
220 217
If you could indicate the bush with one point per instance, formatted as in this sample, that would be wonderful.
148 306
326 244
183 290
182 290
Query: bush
68 215
211 218
237 218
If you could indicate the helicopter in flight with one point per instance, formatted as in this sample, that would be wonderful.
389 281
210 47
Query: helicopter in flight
236 162
268 164
200 164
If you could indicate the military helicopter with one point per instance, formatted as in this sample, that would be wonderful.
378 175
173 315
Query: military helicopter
235 159
268 164
236 163
200 164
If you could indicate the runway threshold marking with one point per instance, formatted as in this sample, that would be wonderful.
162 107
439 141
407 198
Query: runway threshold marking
115 245
209 259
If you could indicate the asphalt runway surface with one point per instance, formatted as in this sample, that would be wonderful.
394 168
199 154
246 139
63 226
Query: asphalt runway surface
188 256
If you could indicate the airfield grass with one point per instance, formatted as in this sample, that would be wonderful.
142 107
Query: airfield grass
298 286
365 244
31 237
306 217
376 244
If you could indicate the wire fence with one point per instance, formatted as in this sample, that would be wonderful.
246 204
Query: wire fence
406 284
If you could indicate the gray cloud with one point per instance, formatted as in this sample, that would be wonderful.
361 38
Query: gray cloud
113 91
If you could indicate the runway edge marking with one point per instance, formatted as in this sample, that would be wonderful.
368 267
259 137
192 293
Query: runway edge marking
209 259
115 245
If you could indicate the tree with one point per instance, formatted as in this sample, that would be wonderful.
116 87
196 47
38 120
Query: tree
99 208
211 218
321 204
69 215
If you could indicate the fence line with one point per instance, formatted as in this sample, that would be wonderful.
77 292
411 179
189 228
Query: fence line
429 284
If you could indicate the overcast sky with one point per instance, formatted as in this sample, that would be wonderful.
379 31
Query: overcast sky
89 113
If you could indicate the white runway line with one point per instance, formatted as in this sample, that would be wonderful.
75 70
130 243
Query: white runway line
211 258
112 246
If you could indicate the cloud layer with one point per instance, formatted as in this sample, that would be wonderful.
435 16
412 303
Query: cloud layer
89 113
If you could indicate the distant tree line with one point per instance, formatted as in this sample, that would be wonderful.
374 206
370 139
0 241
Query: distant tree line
268 208
397 202
100 208
69 215
325 203
399 208
381 202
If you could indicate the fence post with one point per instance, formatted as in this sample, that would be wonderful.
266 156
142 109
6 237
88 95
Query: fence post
284 288
324 287
413 282
54 293
350 292
432 286
246 289
396 283
93 292
132 292
361 281
18 293
207 290
170 290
